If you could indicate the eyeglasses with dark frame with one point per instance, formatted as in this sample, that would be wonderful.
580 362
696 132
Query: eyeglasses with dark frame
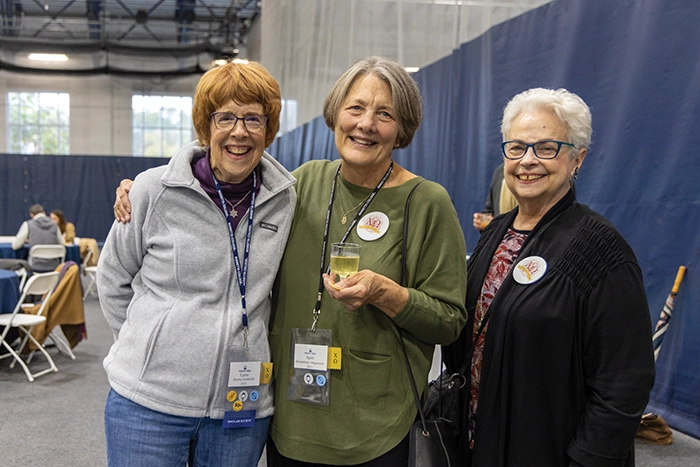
226 121
546 149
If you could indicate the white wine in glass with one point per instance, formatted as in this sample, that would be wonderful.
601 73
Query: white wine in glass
345 259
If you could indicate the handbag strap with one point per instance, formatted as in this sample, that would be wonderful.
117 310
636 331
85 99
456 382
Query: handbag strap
403 283
467 362
405 234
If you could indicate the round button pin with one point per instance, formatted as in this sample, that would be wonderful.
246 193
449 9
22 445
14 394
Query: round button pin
372 226
320 380
237 406
231 396
243 396
309 378
529 270
253 396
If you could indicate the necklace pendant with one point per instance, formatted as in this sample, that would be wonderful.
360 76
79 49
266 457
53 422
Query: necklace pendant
234 214
344 219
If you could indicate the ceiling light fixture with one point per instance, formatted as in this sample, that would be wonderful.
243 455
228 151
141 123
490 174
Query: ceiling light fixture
49 57
224 61
411 69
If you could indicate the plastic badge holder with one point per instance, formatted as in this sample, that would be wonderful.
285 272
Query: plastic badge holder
309 379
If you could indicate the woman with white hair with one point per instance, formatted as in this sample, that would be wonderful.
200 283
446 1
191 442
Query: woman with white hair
559 335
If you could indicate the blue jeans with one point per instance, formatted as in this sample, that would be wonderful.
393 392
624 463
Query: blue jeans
141 437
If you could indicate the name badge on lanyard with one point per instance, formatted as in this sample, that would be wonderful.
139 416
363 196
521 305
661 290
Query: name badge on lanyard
310 375
309 372
242 372
245 377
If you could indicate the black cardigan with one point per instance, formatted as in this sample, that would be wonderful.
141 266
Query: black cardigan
568 362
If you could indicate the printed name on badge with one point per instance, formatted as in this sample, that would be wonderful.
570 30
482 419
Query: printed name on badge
243 374
311 357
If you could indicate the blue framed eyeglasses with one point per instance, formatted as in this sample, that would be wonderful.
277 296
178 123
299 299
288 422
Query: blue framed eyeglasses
546 149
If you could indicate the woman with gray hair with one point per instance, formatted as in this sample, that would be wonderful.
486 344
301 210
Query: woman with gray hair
558 340
363 412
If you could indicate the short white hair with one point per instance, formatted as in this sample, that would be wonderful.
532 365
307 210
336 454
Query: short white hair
566 106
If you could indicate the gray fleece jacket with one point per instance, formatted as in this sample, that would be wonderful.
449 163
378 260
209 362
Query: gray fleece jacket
168 289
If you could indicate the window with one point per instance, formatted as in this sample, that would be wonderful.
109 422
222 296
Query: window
288 116
38 123
161 124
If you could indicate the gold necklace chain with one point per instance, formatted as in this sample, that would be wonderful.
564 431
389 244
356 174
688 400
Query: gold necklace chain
234 206
344 219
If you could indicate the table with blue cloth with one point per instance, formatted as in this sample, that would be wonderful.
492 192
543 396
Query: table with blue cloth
6 251
9 291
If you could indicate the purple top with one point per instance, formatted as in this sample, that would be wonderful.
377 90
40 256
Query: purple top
237 195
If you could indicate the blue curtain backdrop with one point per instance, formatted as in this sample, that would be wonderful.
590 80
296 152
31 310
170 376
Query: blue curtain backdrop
81 186
637 65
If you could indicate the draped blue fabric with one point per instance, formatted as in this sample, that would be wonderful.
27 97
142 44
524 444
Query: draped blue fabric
311 141
637 65
81 186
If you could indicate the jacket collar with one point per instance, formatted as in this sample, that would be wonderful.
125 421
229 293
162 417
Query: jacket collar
275 177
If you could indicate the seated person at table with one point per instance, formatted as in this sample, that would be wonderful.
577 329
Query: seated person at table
68 233
67 228
39 230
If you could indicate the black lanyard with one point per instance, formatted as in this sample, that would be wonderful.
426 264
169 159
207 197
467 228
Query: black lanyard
358 216
241 272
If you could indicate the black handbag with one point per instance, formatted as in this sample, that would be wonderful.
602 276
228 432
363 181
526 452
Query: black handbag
434 438
430 447
432 441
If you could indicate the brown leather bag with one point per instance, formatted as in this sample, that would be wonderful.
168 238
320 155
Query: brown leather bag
654 429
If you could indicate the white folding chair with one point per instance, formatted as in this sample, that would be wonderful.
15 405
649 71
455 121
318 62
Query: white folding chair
90 272
61 344
22 273
84 264
38 284
47 252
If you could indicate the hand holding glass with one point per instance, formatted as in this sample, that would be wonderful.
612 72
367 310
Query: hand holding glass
486 218
345 259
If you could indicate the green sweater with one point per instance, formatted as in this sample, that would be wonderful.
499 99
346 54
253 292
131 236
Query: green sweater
371 404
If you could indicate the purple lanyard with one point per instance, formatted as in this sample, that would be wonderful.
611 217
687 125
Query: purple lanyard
241 272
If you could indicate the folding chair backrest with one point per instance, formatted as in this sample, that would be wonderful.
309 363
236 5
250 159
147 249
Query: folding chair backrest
84 264
46 257
38 284
48 252
22 273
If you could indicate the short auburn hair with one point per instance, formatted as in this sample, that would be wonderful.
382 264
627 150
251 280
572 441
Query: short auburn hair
242 82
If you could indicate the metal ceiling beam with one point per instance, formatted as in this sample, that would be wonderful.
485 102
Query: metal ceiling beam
95 30
54 18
